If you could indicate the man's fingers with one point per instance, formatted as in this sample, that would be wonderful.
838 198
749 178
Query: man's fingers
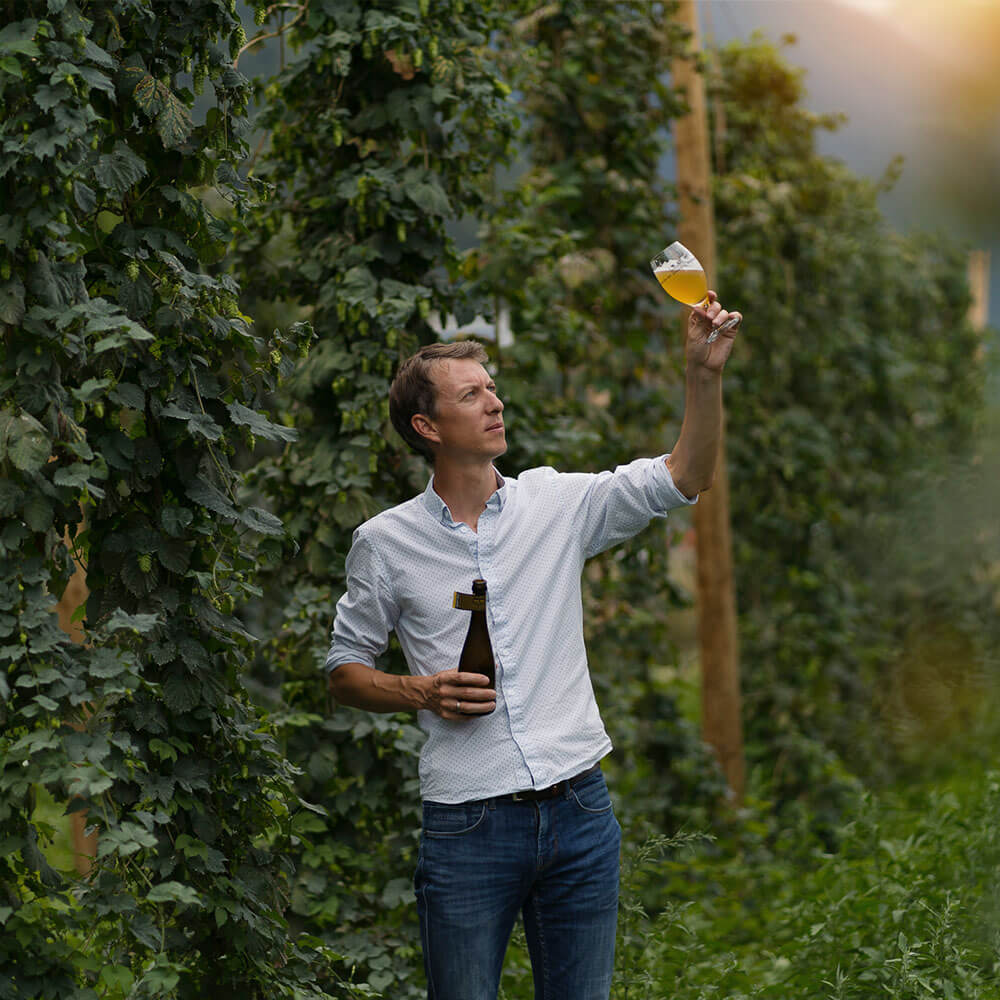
476 702
477 707
462 694
476 696
470 680
474 688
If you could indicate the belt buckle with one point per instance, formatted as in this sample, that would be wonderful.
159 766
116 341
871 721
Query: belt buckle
539 794
529 795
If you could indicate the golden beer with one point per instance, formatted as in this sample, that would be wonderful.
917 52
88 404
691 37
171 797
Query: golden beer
688 286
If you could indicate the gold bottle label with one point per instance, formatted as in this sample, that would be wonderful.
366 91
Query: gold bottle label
469 602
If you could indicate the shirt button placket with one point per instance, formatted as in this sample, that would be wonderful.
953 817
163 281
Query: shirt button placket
497 597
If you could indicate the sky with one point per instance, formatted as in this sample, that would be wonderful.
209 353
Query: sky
963 31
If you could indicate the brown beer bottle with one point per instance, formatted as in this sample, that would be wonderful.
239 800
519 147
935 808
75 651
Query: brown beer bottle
477 653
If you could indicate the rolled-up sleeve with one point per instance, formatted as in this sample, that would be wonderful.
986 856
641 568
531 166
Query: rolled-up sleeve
664 490
366 613
621 503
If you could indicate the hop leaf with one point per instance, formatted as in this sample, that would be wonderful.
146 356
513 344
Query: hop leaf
27 442
174 892
158 101
117 171
174 122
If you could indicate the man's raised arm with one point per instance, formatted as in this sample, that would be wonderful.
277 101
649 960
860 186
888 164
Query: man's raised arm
692 460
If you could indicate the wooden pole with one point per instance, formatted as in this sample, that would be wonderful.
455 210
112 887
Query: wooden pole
979 288
722 725
84 844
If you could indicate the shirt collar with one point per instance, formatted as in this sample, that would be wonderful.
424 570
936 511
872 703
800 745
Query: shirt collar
439 509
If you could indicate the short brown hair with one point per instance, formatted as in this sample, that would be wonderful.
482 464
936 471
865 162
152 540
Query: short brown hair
412 390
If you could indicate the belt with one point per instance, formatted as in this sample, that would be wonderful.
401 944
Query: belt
538 794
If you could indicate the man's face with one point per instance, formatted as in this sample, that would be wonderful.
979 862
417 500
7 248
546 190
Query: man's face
468 421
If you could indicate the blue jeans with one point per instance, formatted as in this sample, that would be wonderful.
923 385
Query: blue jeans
483 862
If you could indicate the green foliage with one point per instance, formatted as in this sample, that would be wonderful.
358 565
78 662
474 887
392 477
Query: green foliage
856 366
381 130
129 380
907 907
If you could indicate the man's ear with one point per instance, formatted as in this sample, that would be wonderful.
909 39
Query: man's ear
424 426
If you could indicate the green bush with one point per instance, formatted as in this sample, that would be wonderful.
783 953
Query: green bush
129 380
907 907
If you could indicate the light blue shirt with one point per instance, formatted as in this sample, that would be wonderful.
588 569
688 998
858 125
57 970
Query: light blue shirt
537 530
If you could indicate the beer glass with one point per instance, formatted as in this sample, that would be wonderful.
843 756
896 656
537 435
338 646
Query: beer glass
682 277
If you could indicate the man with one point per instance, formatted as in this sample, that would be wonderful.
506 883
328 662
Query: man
516 813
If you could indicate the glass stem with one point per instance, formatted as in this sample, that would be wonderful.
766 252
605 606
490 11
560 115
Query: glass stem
728 325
